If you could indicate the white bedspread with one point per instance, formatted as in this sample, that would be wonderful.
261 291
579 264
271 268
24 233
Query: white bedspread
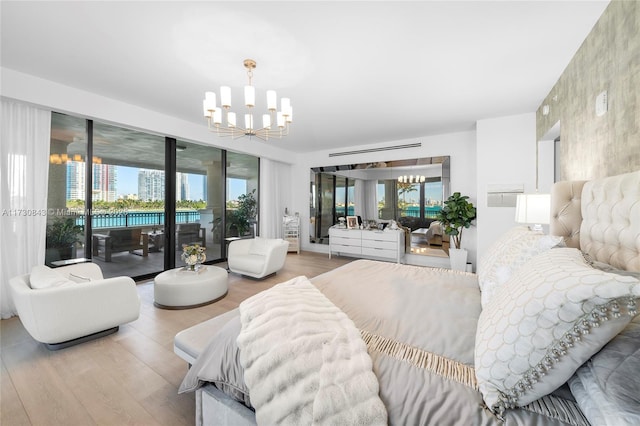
304 360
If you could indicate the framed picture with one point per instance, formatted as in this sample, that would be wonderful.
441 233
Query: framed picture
352 222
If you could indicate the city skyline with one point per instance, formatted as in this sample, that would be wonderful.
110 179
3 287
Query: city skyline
127 184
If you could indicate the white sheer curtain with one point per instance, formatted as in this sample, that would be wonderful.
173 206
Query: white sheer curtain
359 199
371 199
366 199
24 169
275 196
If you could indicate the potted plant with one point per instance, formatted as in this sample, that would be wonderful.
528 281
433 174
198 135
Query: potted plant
245 215
457 214
61 237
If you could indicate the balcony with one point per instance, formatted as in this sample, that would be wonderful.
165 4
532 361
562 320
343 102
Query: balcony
151 224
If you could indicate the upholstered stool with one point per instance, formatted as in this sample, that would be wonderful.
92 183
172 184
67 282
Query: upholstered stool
181 289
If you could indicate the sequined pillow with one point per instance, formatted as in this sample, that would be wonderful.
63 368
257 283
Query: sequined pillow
507 254
550 317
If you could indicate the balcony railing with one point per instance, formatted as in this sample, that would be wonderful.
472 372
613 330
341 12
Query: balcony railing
430 212
136 219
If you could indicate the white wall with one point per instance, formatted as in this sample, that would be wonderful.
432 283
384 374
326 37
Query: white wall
506 155
459 146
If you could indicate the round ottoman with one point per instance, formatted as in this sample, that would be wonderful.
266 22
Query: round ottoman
181 289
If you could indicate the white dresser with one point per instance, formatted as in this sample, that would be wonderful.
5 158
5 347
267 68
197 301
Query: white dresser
383 245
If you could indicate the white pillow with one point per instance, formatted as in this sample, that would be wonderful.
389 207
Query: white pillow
507 254
550 317
44 277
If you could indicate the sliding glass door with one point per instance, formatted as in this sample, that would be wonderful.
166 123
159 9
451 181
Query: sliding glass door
108 189
66 235
199 199
242 197
128 201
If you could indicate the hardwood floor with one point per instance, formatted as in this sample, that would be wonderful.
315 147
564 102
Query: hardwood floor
130 377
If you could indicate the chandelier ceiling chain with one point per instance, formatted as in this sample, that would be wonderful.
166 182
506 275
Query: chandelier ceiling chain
229 127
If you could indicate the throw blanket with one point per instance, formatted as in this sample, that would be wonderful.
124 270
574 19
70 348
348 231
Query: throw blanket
305 362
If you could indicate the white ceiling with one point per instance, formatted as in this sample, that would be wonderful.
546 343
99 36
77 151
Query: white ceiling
356 72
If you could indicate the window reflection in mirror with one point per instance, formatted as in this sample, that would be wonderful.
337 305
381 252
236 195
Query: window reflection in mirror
411 192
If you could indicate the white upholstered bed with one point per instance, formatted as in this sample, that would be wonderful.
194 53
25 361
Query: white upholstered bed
531 339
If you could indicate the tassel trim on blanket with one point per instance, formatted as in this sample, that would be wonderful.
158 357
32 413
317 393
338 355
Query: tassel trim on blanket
437 364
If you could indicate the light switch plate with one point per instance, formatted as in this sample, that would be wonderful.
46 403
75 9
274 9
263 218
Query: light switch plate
602 104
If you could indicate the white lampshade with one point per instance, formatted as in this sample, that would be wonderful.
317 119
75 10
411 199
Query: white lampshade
225 96
272 100
205 108
248 121
250 96
210 100
217 116
533 209
285 105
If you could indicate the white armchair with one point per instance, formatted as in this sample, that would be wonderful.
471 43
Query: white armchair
73 304
257 257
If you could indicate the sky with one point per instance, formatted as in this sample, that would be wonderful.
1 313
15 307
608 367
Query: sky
128 184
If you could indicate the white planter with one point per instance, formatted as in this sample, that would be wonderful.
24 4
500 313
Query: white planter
458 258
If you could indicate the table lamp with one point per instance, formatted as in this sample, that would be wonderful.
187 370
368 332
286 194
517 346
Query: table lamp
533 209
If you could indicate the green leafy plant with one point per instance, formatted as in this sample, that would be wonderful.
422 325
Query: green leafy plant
246 212
63 233
457 214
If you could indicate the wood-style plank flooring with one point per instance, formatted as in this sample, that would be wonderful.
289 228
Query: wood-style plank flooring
130 377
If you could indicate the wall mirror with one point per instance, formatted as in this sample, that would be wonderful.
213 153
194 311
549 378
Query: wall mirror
410 192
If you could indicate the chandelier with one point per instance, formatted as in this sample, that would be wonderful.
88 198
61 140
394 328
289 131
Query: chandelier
411 179
275 124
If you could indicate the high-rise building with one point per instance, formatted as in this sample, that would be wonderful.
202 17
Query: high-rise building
104 182
204 188
75 180
150 185
182 186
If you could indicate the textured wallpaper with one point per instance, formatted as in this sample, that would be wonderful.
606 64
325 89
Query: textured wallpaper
609 59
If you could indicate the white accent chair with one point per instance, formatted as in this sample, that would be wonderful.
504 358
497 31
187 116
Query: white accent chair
72 304
257 257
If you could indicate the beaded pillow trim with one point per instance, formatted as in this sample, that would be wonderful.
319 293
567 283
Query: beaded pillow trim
582 326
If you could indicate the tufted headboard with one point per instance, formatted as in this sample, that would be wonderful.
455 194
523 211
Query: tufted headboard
600 217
